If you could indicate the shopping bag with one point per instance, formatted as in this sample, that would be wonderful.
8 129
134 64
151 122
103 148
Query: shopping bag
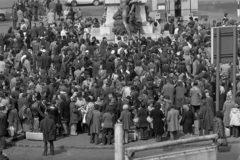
11 131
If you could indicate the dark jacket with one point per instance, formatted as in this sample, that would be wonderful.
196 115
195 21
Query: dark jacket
218 127
126 119
158 124
3 124
142 115
187 121
48 127
65 111
59 8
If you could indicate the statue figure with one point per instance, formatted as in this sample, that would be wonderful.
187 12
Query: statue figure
125 19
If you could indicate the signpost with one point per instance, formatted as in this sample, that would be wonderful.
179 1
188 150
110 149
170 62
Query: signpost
224 50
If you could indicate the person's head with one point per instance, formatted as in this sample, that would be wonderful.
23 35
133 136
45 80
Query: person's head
104 39
125 107
219 115
157 106
119 38
229 96
186 107
195 83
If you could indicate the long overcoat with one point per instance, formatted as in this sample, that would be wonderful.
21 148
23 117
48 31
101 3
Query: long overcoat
95 124
158 124
48 127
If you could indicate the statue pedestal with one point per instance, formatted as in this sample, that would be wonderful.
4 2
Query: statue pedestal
111 8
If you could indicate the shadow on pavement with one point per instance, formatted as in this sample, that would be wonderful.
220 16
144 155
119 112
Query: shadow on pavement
225 149
59 151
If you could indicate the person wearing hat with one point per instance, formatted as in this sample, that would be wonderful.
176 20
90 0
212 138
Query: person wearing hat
48 127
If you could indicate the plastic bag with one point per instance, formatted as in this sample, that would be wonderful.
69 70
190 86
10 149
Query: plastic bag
11 131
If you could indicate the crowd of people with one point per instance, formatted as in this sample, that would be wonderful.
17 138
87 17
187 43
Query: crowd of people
58 79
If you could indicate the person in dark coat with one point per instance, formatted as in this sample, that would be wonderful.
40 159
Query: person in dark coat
142 122
126 120
64 113
46 61
187 121
158 124
3 126
59 9
48 127
95 124
205 118
110 67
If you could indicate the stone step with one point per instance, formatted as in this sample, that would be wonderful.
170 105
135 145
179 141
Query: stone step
95 30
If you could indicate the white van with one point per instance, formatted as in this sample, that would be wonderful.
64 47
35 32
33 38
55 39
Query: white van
76 2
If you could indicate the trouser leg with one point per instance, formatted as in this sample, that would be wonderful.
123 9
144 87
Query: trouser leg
45 148
92 138
51 147
125 136
110 131
96 138
104 133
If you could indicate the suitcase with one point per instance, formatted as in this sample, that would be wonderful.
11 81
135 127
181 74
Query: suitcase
36 136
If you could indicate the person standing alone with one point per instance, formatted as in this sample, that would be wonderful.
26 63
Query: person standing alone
48 127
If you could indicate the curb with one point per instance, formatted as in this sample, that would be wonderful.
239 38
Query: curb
60 147
100 147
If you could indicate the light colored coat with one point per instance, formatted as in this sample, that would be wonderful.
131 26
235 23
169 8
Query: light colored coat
235 117
173 120
19 16
227 107
50 17
195 95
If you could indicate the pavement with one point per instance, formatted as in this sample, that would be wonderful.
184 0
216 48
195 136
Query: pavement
79 148
82 141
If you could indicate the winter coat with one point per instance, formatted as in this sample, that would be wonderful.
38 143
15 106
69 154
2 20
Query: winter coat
108 120
206 117
64 111
218 127
13 118
95 124
173 120
187 121
28 121
142 115
235 117
3 124
196 95
125 117
227 107
48 127
158 124
74 113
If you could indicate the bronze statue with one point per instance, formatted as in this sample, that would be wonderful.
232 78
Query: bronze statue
125 20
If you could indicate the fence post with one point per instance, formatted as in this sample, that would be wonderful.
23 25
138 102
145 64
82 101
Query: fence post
118 136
